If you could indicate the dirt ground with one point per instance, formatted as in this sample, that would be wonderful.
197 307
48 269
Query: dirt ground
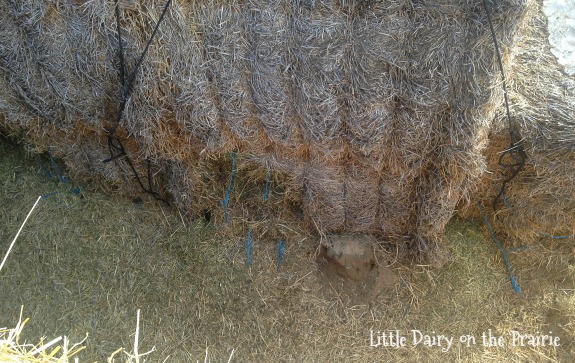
86 261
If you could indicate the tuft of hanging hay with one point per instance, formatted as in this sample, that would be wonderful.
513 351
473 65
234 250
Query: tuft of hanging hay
377 114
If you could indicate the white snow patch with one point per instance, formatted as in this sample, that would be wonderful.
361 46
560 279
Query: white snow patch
561 16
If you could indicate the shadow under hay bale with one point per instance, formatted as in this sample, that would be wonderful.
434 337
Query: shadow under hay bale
377 114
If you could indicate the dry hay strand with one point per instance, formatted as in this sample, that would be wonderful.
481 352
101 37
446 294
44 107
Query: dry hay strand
59 350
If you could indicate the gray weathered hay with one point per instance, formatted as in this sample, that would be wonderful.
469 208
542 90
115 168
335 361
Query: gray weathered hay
377 112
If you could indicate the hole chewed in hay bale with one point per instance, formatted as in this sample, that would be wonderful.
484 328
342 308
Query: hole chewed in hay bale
355 261
351 257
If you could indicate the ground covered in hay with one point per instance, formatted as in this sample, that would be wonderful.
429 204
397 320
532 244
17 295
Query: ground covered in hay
86 261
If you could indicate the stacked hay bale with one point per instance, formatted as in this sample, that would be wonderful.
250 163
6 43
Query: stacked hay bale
377 112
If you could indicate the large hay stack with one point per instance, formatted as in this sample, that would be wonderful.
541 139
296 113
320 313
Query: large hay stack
377 112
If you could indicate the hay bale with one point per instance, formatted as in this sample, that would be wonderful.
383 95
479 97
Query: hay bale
378 112
539 202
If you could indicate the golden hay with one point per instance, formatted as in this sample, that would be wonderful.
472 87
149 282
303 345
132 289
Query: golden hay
55 351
